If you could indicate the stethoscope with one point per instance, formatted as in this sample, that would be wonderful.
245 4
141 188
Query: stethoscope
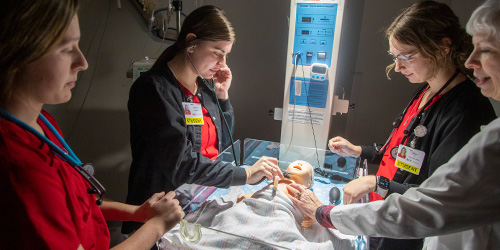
417 118
68 156
212 88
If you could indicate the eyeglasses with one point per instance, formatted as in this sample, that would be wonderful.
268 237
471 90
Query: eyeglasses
405 60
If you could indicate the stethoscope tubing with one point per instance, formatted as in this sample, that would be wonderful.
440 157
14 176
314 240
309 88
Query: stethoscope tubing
417 117
68 156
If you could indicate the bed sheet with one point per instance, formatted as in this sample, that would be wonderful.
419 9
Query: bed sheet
267 220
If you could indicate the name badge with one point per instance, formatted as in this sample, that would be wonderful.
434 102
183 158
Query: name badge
193 113
409 159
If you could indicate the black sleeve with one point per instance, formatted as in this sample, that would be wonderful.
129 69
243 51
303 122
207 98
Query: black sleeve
160 143
228 115
456 125
371 154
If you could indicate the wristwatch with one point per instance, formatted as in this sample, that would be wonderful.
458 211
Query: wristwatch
382 185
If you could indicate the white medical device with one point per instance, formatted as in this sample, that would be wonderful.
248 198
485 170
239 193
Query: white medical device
319 71
311 67
141 66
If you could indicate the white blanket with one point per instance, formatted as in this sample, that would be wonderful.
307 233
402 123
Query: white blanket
269 216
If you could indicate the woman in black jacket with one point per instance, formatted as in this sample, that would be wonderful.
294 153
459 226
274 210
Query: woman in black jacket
181 117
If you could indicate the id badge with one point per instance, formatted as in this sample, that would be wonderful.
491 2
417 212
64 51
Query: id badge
193 113
409 159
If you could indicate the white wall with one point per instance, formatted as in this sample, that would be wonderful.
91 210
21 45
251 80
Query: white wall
95 121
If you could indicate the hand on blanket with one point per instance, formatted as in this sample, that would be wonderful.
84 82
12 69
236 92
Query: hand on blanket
162 207
304 199
265 167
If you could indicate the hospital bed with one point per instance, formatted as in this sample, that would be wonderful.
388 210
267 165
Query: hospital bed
268 220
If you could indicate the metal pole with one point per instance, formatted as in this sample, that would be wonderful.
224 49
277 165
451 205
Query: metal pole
178 8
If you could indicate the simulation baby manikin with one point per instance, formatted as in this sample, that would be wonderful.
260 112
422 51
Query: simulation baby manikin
300 172
266 219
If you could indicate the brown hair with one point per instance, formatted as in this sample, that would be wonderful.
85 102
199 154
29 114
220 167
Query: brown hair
28 30
208 23
424 25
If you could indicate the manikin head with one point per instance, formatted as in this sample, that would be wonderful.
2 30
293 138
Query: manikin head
302 173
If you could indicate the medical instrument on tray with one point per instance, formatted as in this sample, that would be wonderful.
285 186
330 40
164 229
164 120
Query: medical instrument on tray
335 196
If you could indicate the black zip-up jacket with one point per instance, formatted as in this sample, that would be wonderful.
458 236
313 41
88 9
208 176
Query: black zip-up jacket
166 151
451 121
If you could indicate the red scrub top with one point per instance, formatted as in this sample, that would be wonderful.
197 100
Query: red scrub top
209 145
45 204
387 166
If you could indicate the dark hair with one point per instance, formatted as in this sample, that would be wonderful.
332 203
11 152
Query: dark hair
424 25
208 23
28 30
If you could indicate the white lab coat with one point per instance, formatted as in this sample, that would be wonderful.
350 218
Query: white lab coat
459 203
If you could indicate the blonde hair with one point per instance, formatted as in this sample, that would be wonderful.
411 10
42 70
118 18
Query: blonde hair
28 30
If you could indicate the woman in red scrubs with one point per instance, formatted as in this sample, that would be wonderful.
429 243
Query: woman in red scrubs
48 199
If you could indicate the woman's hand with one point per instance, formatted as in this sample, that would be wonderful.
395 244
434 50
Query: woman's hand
341 146
144 212
163 206
304 199
358 188
160 213
169 210
264 167
223 79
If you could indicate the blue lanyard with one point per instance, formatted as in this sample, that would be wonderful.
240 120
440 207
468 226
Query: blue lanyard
69 157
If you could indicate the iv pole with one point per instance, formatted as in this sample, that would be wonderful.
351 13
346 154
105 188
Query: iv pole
178 8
